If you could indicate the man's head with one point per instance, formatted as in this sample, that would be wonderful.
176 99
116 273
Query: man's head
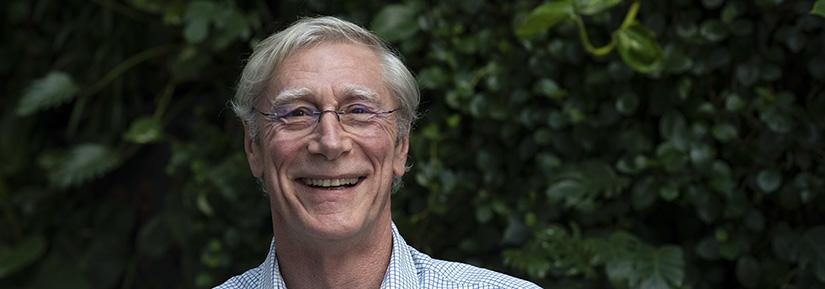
327 109
308 32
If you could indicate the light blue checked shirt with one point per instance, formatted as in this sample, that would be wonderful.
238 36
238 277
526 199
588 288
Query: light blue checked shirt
408 268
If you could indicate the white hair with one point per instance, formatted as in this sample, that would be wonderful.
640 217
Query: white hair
307 32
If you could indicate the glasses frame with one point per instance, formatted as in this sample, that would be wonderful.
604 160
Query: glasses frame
274 117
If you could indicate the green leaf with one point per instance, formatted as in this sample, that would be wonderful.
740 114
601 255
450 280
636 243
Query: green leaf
198 16
713 30
550 88
395 22
79 164
674 127
675 60
748 271
536 265
669 192
769 180
747 73
196 30
203 205
202 10
55 88
545 17
620 252
590 7
664 268
819 8
26 252
516 232
144 130
638 48
627 103
433 77
230 26
724 132
568 190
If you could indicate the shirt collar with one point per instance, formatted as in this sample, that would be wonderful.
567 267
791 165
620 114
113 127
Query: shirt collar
400 273
272 273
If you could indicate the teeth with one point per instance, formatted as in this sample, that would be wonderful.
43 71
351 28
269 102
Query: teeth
325 183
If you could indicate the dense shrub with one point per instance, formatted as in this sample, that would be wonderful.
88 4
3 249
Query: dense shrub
688 155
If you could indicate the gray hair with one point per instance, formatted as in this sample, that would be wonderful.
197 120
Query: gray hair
307 32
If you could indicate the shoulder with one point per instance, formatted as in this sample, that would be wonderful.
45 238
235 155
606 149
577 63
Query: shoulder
434 273
249 279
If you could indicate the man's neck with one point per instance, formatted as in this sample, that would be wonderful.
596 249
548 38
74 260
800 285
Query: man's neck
359 263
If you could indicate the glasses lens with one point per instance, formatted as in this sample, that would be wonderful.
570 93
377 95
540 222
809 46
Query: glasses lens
293 122
296 118
362 124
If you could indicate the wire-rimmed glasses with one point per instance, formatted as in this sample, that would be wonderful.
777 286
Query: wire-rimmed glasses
360 120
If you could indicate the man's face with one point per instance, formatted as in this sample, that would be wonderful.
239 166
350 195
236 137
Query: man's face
309 174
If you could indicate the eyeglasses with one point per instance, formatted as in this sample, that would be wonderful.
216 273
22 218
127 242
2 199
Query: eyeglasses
356 119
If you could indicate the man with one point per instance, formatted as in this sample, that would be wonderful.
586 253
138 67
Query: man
327 109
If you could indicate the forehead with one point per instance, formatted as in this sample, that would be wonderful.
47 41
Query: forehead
329 72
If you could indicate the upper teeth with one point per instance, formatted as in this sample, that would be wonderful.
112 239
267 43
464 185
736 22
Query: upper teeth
330 182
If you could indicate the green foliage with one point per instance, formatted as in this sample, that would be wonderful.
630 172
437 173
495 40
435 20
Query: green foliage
17 257
592 7
636 43
78 164
144 130
545 17
690 158
819 8
53 89
638 48
395 22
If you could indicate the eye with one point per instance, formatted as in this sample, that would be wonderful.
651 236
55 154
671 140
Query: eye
359 109
297 112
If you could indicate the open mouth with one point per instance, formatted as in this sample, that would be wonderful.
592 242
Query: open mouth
331 183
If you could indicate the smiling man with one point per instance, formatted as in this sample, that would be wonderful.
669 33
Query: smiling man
327 109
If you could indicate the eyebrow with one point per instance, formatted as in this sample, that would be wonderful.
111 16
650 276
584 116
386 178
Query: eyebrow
289 95
360 92
351 91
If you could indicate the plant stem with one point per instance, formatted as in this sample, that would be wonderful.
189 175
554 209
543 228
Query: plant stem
164 99
630 17
585 40
126 65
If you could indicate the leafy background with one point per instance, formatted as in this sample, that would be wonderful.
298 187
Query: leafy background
680 147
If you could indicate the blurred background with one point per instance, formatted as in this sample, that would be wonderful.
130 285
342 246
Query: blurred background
574 143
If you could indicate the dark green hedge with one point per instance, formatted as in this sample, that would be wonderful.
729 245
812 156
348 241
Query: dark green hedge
688 155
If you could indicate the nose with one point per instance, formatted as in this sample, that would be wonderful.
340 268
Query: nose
330 141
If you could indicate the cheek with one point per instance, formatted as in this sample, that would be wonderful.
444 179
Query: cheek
279 153
382 148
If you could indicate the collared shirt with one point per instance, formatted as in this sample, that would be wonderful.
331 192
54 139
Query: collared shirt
408 268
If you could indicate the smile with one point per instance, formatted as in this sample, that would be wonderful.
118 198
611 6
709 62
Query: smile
330 183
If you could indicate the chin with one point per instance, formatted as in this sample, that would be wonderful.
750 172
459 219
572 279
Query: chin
335 227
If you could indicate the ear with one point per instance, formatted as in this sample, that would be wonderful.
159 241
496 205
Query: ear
399 164
253 155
